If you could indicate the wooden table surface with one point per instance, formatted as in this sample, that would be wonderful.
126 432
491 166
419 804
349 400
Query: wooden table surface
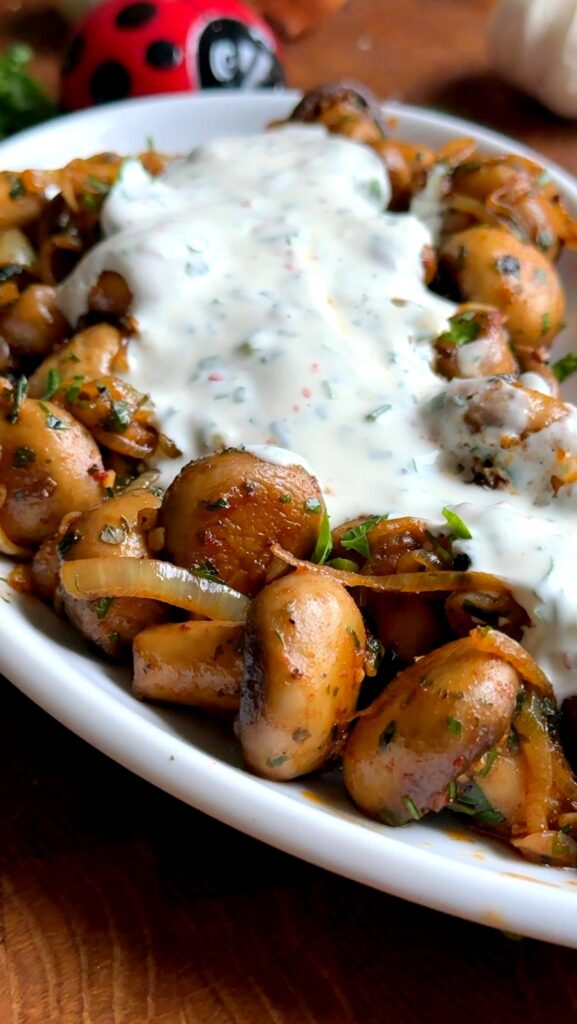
119 905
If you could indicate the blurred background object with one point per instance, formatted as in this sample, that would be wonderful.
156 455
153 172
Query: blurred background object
533 45
122 49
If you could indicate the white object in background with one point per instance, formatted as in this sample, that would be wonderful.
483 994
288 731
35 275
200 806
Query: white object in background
74 10
533 44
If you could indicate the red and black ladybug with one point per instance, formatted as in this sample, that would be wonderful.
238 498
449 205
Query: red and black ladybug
124 49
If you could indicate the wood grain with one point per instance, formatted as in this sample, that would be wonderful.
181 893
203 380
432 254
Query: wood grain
118 905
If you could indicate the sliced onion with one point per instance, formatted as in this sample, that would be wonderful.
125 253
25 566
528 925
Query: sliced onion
548 847
537 753
405 582
491 641
89 578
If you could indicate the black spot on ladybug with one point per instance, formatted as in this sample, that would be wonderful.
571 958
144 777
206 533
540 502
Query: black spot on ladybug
164 55
135 15
110 81
232 56
73 55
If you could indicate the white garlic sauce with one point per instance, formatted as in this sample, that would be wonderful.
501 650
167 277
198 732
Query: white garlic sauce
280 307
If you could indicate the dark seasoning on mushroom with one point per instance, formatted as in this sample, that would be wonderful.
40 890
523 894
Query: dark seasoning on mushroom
366 559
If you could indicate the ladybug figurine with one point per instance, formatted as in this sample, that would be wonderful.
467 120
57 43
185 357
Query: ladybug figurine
124 49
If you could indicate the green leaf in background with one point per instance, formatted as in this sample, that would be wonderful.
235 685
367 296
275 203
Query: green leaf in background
22 100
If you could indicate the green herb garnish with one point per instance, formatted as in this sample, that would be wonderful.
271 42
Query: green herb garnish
99 186
324 544
212 506
22 101
118 419
490 757
473 802
53 422
454 725
463 329
565 366
412 808
52 384
376 414
459 529
357 538
102 607
18 396
74 389
545 323
206 571
274 762
344 564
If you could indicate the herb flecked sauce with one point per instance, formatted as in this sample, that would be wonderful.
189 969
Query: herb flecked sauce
280 306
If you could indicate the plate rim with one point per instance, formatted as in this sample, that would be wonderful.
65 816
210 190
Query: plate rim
259 808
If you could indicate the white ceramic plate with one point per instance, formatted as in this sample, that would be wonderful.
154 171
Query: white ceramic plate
435 862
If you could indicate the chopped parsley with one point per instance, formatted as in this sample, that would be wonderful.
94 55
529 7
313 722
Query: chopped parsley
463 329
53 422
102 607
376 414
99 186
545 323
206 571
285 499
344 564
412 808
490 757
454 725
213 506
52 383
324 544
22 100
390 818
357 537
275 762
473 802
565 366
118 419
459 529
73 389
18 396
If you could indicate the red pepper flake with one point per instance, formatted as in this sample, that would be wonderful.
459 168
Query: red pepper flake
98 474
459 762
306 392
215 376
296 408
314 367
